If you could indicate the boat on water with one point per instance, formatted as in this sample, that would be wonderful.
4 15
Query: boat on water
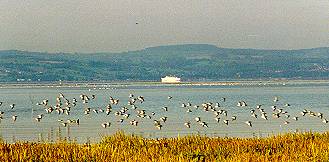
170 79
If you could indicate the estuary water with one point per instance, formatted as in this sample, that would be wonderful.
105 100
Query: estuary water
294 97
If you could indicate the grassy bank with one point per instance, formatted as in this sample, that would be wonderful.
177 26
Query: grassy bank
121 147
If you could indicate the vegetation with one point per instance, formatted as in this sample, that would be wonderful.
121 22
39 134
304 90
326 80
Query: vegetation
190 62
121 147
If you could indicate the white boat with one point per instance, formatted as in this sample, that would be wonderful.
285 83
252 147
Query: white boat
170 79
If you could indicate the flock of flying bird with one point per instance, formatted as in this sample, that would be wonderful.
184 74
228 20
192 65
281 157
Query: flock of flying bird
133 111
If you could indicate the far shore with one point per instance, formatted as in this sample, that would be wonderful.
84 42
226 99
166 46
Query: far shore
107 84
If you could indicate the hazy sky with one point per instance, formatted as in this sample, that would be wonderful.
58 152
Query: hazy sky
110 25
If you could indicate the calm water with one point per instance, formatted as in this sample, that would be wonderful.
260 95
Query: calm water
313 97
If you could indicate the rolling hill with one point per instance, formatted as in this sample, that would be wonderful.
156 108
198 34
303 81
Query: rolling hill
191 62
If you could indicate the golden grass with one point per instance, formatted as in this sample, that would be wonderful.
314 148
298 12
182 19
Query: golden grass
121 147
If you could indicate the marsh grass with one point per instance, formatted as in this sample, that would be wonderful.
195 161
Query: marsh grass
122 147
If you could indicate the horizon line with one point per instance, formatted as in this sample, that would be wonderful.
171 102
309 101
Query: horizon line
169 45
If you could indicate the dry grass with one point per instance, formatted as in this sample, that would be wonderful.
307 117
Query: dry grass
121 147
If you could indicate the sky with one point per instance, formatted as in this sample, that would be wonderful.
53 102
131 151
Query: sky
126 25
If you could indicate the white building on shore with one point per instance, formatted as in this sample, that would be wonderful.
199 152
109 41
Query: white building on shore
170 79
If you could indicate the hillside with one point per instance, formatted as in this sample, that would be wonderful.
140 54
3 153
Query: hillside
190 62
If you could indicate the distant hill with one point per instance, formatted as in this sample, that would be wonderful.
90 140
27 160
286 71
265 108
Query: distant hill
190 62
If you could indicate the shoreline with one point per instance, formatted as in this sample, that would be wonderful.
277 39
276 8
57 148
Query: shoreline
110 84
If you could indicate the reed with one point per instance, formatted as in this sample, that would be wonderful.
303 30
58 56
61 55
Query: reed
122 147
